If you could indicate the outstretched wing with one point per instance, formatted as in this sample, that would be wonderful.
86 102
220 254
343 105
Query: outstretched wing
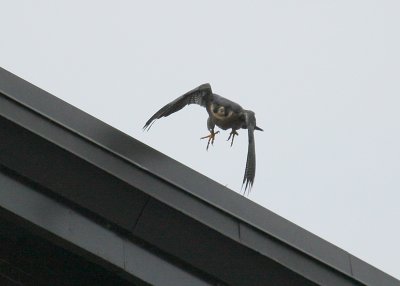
250 170
200 95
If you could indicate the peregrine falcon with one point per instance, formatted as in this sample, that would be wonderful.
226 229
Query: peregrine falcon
223 113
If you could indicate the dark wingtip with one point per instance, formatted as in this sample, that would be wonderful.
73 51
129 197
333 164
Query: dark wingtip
258 128
248 184
148 125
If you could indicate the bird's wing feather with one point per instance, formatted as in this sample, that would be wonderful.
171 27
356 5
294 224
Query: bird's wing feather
250 170
200 95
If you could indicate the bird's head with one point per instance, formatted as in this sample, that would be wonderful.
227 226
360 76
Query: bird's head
219 110
250 117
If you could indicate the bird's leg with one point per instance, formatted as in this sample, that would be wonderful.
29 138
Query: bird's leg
210 137
232 134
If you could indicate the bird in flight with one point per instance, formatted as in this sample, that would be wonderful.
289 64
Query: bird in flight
223 113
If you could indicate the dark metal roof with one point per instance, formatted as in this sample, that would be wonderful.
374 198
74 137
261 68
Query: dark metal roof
155 199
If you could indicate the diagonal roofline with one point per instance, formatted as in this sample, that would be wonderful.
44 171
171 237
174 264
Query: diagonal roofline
179 187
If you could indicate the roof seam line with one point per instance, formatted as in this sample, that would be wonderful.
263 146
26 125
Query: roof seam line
140 214
350 264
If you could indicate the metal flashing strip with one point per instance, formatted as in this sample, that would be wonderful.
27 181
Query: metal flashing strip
172 183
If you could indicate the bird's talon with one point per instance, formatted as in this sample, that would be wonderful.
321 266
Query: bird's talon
232 134
211 138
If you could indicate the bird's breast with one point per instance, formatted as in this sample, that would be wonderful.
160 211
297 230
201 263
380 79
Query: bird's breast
231 120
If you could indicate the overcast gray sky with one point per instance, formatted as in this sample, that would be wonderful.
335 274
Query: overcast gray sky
321 76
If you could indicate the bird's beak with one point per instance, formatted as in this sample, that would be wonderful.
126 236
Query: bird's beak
258 128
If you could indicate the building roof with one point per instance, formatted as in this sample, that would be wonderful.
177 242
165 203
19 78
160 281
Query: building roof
159 203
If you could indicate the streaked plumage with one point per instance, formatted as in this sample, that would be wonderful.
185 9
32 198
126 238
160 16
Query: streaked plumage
223 113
